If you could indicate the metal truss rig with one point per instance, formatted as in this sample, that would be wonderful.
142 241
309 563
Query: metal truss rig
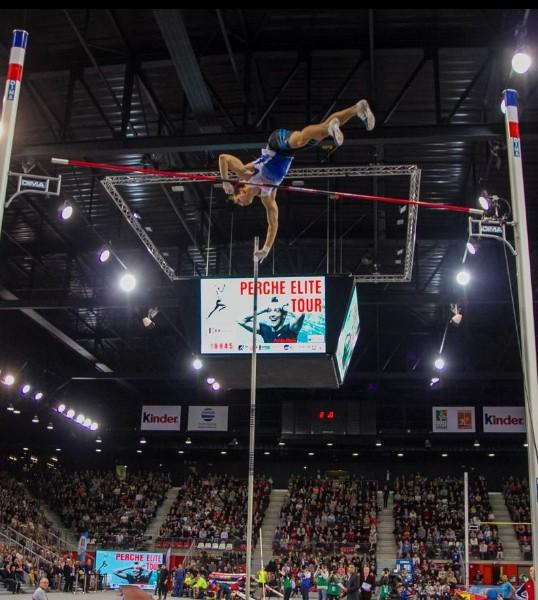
111 184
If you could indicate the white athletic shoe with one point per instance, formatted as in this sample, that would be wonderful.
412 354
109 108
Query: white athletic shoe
335 132
365 114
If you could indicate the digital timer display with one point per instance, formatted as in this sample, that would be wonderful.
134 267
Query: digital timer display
326 415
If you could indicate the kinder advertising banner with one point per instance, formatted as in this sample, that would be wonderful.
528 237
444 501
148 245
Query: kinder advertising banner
504 419
208 418
453 419
137 568
161 418
291 315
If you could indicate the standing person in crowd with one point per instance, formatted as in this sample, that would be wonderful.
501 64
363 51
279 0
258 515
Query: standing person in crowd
322 581
69 575
507 589
384 585
287 584
367 583
41 592
179 581
333 588
529 584
261 578
306 582
162 581
353 583
386 494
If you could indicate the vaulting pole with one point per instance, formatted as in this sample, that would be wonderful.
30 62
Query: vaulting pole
250 500
9 109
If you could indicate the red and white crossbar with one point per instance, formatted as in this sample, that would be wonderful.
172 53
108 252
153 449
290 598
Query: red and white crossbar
288 188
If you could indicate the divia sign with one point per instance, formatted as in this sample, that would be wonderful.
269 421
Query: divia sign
31 183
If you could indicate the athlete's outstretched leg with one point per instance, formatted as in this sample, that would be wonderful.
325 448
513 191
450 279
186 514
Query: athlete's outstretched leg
331 125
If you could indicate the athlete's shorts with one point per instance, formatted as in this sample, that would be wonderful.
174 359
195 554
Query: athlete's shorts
279 141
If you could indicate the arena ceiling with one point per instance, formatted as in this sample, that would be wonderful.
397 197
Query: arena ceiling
171 89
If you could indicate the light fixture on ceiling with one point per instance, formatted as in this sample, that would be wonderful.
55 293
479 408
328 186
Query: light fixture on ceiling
66 211
197 364
104 254
439 363
463 277
127 282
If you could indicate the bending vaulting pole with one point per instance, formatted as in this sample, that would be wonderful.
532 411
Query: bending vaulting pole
525 301
250 500
287 188
9 109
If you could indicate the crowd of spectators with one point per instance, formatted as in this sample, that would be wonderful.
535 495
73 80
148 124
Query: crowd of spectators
429 518
327 515
213 508
517 499
115 512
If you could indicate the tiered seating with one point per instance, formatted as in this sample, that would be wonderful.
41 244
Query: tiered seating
516 497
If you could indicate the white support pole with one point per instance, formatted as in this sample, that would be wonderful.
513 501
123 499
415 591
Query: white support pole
526 315
250 500
9 109
466 525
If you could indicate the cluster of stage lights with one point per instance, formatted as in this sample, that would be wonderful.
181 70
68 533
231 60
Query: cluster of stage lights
127 281
26 390
80 419
197 365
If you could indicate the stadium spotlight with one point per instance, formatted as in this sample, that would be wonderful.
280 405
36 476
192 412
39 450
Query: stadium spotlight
9 379
197 364
104 254
50 426
463 277
80 418
483 199
35 419
70 413
476 444
98 450
10 407
127 282
521 62
210 380
26 388
38 396
98 440
60 408
378 443
188 441
439 363
87 422
66 211
94 426
143 440
471 248
216 386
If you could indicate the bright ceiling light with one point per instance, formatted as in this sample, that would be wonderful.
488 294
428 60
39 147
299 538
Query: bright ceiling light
127 282
471 248
70 413
104 255
94 426
379 443
143 440
355 454
439 363
80 418
483 201
139 451
330 444
463 277
26 388
216 386
98 440
476 444
181 451
400 454
491 454
9 379
521 62
61 408
38 396
35 419
281 443
310 454
267 453
223 452
16 411
10 407
434 381
87 422
188 441
50 426
98 450
210 380
197 364
66 211
444 455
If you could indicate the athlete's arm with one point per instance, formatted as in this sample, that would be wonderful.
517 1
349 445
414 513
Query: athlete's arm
228 162
271 210
296 327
